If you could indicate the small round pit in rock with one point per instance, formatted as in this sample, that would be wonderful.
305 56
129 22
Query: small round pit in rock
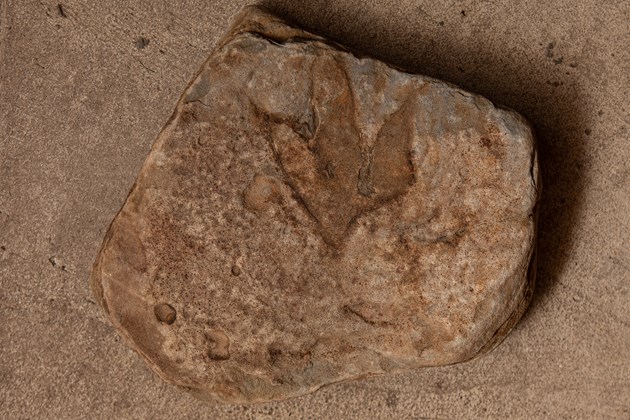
236 270
219 345
165 313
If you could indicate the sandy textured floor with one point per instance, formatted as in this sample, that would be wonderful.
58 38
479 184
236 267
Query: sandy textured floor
86 86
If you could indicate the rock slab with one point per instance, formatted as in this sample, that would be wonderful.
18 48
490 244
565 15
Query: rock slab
309 215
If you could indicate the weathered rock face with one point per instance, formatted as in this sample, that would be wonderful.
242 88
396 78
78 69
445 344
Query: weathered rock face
308 216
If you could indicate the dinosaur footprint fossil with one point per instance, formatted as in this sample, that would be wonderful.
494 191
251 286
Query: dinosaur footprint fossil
336 171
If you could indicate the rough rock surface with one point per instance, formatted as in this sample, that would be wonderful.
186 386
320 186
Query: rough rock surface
309 216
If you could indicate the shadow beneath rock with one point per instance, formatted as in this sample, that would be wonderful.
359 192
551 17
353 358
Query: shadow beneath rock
543 90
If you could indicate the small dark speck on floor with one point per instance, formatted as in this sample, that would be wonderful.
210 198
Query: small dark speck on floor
3 248
53 261
392 399
463 12
441 23
142 42
600 113
61 10
550 48
573 65
558 60
587 131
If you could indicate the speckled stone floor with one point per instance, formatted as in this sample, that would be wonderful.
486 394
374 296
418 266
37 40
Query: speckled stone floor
86 86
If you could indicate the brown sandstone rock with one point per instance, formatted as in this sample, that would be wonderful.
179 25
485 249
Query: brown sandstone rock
309 216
